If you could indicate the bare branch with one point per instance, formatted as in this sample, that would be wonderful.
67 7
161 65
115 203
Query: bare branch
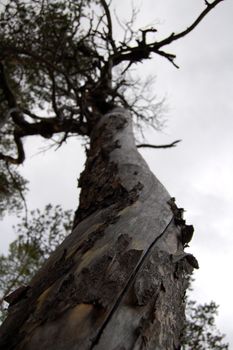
203 14
6 117
53 94
145 32
168 56
143 50
46 128
147 145
79 76
109 24
20 150
32 115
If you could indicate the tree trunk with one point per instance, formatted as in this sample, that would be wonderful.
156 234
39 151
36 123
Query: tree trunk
119 280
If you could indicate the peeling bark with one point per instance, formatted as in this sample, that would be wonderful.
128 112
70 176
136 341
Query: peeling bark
119 280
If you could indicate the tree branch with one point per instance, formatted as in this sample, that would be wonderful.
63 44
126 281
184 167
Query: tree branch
168 56
20 150
46 128
109 24
142 50
147 145
53 94
173 37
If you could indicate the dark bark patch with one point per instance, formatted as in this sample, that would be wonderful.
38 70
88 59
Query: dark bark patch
123 242
91 240
99 284
107 189
18 294
178 212
101 175
187 231
186 234
146 287
160 324
59 269
128 260
187 256
149 281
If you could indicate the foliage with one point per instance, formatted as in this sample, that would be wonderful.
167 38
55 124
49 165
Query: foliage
12 189
37 237
55 69
13 186
200 330
50 54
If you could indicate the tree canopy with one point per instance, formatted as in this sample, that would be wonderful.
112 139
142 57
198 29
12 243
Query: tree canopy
59 67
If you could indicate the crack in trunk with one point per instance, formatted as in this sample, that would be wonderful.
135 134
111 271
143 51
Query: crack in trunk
134 273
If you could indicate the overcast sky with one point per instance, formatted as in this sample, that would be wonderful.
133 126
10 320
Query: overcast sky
198 172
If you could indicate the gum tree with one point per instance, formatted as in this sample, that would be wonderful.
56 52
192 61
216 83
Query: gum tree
118 280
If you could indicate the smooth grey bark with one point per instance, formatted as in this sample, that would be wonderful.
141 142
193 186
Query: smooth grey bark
119 280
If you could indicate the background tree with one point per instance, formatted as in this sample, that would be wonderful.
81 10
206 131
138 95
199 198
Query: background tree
37 238
64 62
200 329
12 189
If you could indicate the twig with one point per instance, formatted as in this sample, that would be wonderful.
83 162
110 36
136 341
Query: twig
147 145
168 56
